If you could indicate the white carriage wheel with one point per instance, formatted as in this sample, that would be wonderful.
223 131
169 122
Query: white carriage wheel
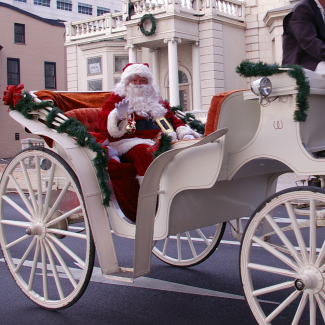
286 264
50 259
190 248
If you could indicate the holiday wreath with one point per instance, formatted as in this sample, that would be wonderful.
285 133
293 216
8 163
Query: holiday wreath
153 24
261 69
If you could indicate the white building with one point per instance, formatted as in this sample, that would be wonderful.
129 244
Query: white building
67 10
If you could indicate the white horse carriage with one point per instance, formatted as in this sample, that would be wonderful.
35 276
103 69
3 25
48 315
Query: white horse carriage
52 216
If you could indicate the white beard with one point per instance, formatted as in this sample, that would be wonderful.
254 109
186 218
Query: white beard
144 101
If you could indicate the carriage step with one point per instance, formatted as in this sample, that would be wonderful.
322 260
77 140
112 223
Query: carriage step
124 274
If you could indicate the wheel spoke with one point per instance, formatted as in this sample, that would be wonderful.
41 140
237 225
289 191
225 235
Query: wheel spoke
271 269
44 272
312 309
55 273
284 238
17 241
49 189
300 309
321 256
276 253
282 306
32 272
312 232
23 196
30 189
14 223
21 262
57 202
63 264
39 185
190 242
17 208
277 287
64 216
179 247
297 232
66 233
321 305
165 246
68 251
203 237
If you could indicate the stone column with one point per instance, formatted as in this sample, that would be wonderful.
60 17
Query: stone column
173 70
155 66
197 105
132 53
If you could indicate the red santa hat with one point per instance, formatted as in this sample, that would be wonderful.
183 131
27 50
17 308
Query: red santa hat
136 69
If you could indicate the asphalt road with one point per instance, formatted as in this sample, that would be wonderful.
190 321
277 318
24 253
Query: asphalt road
209 293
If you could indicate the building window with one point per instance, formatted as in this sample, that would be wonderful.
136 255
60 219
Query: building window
45 3
20 33
102 11
84 8
94 66
120 63
95 85
64 5
13 73
50 75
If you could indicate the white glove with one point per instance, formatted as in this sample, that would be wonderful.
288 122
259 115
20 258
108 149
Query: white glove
173 136
121 108
188 137
111 152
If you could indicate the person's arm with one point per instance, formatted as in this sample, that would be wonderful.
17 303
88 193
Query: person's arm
302 25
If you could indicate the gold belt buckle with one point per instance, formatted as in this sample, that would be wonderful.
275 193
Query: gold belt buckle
164 125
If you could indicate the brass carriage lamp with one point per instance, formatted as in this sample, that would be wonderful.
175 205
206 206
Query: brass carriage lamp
262 87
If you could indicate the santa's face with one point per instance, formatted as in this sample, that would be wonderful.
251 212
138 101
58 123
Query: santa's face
137 80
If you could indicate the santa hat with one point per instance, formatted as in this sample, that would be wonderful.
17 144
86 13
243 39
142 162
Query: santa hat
136 69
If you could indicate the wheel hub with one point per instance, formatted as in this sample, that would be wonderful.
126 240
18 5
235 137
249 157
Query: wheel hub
37 229
311 279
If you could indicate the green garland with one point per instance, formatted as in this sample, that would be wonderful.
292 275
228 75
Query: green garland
75 129
261 69
190 119
165 145
153 24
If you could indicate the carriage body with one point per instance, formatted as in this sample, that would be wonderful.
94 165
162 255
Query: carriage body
199 183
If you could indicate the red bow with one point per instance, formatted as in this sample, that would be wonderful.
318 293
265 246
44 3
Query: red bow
12 95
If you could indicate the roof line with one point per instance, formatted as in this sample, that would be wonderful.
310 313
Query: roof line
53 22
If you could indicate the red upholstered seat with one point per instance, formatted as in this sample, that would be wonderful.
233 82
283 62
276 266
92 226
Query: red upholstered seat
87 116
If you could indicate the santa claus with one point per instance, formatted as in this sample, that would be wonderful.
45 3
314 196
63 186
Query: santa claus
135 114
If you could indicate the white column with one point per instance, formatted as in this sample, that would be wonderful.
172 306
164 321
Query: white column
132 53
173 70
197 105
155 66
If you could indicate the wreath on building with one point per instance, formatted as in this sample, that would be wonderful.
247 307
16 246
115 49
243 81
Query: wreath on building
153 24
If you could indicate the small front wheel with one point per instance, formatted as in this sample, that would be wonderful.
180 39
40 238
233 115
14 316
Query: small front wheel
282 258
44 231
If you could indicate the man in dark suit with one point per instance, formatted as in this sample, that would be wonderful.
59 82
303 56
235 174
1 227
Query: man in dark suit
304 36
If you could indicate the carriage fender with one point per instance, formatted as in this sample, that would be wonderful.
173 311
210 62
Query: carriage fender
80 159
147 204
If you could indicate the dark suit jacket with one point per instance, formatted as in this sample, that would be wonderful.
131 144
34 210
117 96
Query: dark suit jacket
304 36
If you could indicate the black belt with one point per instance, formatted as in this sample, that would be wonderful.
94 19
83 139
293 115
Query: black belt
143 125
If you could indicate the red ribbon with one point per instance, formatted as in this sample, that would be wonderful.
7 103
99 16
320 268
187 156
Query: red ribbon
12 95
155 147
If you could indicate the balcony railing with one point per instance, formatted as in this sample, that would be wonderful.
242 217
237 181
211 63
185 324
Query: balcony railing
111 24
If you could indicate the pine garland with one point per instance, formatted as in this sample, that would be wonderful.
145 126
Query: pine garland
190 119
153 24
75 129
261 69
165 145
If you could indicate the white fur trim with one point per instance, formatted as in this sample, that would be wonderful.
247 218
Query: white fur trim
116 131
125 145
137 69
140 179
173 136
184 130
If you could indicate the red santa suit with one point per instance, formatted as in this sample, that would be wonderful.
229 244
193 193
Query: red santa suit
133 147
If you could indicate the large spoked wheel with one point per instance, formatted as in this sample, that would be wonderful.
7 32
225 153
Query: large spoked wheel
190 248
44 232
286 265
